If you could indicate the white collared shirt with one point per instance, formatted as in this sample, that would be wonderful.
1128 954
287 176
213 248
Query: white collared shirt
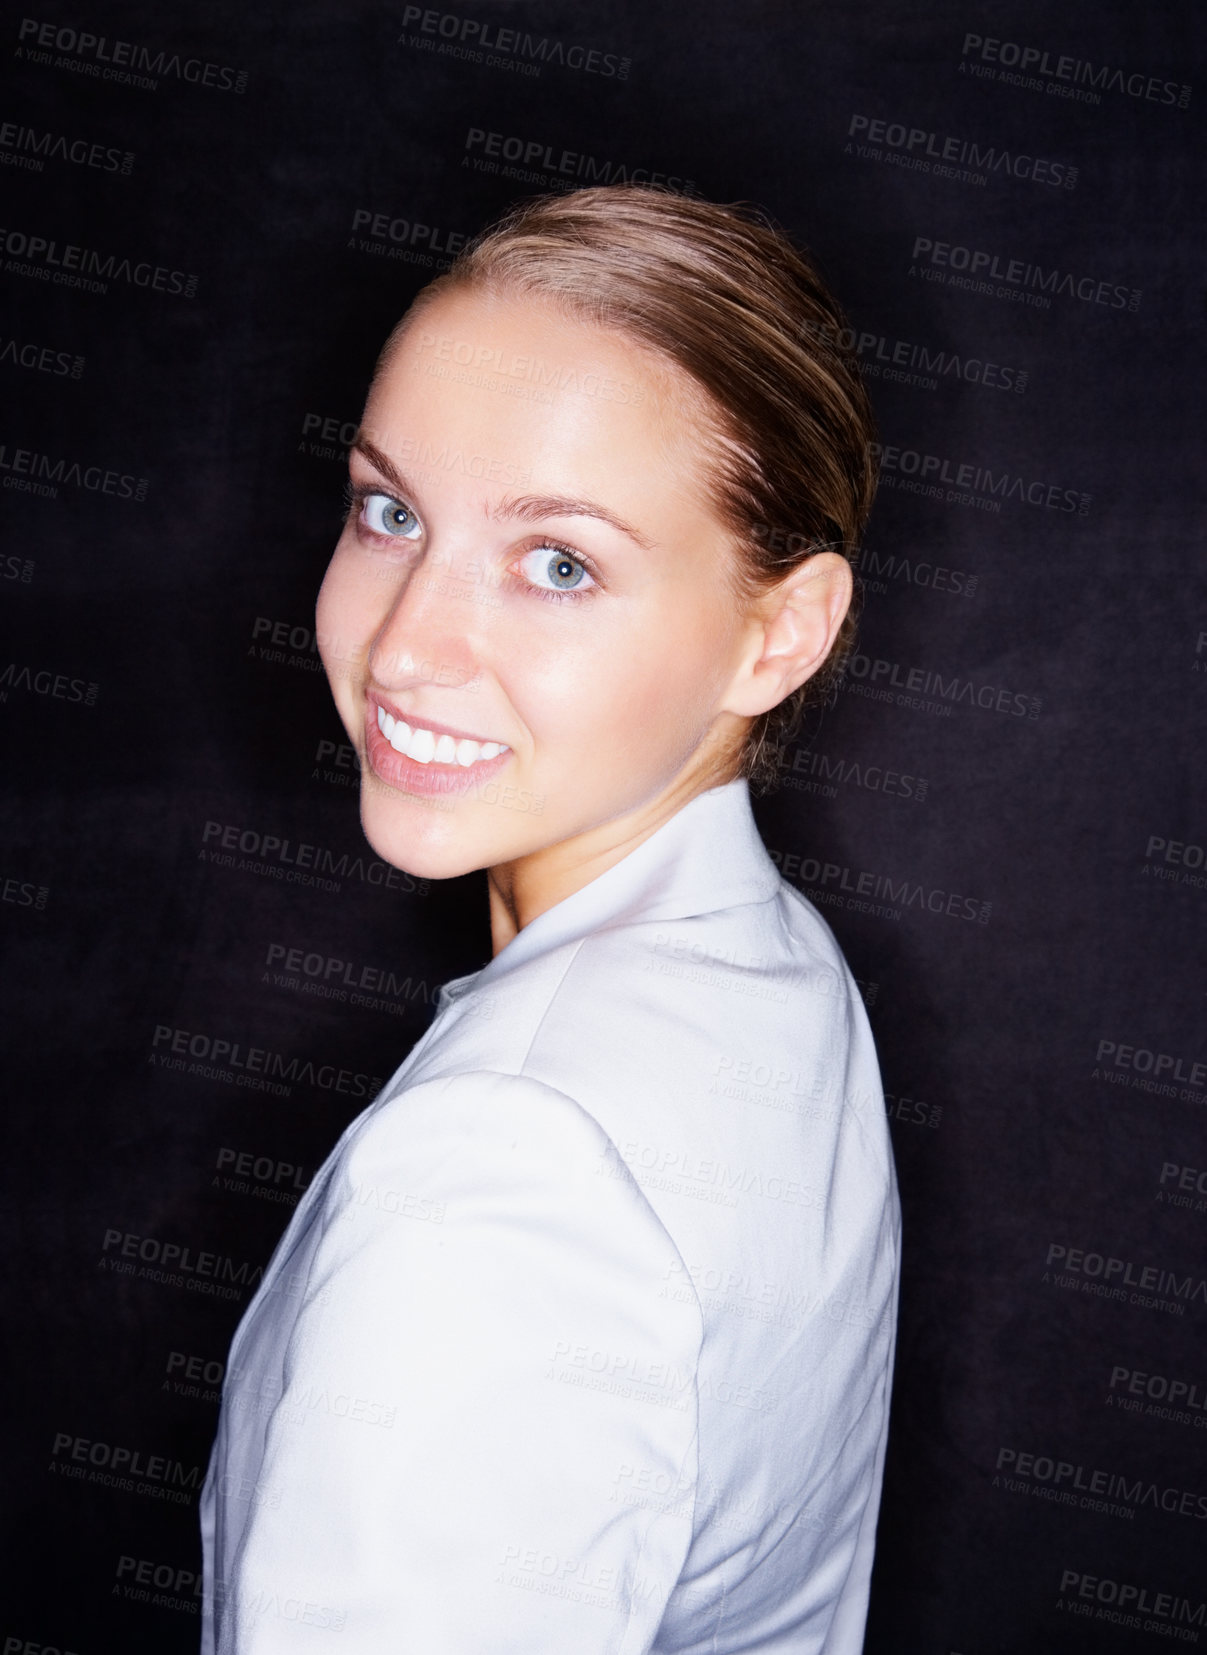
580 1340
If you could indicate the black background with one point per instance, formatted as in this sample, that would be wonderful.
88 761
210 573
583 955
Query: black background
160 690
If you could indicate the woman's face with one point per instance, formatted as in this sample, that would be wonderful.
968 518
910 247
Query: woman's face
527 623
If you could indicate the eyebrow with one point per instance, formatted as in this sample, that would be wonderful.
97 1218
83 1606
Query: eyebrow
529 508
384 464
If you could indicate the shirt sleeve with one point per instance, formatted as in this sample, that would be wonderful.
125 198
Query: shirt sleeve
487 1359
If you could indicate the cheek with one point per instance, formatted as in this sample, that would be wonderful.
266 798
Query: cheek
675 670
649 679
348 614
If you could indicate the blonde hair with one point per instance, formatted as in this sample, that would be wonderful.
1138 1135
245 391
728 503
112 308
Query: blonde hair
724 295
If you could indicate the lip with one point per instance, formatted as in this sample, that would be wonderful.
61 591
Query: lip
408 775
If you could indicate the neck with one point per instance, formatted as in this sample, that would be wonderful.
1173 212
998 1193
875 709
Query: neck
522 890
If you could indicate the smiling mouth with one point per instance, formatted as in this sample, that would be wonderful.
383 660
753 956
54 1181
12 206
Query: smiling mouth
426 747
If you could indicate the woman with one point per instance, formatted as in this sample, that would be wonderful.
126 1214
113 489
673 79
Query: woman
580 1341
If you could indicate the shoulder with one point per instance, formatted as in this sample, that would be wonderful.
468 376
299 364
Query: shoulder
505 1163
484 1117
765 975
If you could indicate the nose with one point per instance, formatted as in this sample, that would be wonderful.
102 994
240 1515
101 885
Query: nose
427 636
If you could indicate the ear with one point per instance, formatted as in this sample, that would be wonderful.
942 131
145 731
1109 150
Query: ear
793 627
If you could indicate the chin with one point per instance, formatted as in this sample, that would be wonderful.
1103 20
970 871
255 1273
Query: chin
419 837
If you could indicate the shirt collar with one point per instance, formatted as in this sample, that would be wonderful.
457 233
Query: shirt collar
708 856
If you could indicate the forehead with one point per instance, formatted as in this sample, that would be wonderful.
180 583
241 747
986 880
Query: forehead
511 386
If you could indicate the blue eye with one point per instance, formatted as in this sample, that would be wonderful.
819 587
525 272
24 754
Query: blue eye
384 515
554 570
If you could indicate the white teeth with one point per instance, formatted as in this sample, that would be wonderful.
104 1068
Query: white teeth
422 746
